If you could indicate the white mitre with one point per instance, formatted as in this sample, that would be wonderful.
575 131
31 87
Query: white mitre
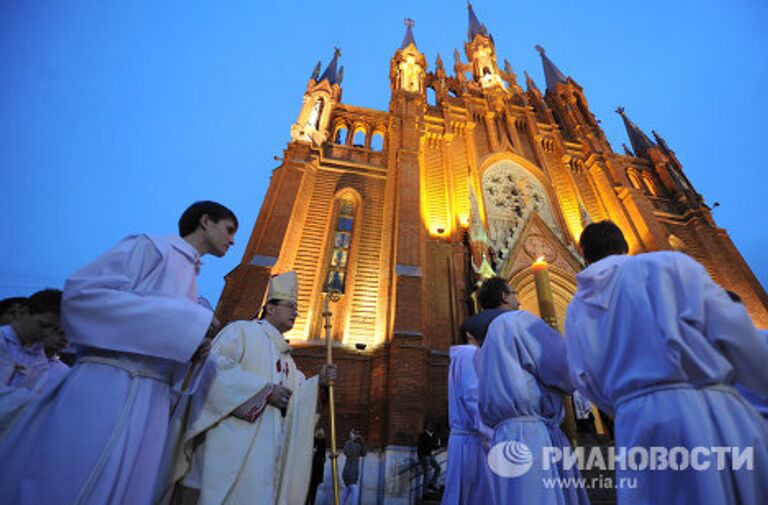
283 287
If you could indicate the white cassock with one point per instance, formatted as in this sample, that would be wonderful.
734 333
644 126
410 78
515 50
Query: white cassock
654 341
523 374
467 477
23 370
758 401
234 461
97 437
56 372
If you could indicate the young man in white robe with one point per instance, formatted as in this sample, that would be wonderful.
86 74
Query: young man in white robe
653 341
759 402
523 375
24 367
249 429
97 438
467 476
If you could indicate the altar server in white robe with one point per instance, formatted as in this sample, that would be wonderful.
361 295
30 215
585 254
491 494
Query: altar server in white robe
758 401
467 476
250 427
25 371
655 342
523 375
97 438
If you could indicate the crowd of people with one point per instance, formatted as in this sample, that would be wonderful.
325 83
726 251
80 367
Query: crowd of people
652 341
164 406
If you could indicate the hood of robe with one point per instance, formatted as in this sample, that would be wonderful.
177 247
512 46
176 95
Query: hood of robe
597 282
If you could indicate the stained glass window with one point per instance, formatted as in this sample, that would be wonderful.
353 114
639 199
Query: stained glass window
337 269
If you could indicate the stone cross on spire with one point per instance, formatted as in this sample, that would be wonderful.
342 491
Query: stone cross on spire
408 33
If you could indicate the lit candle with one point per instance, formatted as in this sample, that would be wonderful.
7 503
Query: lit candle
547 312
544 292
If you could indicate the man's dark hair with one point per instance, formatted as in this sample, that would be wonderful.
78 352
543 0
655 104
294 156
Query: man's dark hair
602 239
47 300
477 324
490 294
190 219
8 303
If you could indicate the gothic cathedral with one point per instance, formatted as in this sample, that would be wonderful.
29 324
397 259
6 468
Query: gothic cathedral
466 175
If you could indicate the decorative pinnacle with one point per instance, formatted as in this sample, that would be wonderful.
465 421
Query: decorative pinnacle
619 110
540 49
337 52
409 22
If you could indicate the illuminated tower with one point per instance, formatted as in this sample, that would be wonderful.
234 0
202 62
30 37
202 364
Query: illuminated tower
466 175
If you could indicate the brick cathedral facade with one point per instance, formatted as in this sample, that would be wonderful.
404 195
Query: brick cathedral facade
466 175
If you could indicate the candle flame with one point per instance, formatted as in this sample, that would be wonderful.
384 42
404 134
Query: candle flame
540 259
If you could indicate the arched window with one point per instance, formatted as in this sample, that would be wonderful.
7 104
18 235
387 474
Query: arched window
359 139
431 96
652 188
635 180
341 135
342 239
377 142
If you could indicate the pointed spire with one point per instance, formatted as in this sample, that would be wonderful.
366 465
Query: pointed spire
315 72
660 141
552 74
439 62
627 151
408 39
529 82
639 140
341 75
331 72
475 27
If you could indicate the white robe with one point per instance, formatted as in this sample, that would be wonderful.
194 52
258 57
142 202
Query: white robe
467 476
652 339
97 438
265 462
23 370
522 372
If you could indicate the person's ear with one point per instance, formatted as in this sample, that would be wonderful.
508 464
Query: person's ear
205 221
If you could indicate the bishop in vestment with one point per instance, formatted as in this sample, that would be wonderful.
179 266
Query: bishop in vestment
655 342
97 438
248 431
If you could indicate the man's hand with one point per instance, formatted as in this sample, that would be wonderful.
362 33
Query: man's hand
279 397
213 328
205 346
328 374
202 350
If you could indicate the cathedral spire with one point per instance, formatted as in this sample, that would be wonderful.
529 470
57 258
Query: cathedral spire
315 72
331 72
639 140
408 39
475 27
552 74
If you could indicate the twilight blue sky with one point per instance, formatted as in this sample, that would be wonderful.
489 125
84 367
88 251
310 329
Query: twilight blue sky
114 116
